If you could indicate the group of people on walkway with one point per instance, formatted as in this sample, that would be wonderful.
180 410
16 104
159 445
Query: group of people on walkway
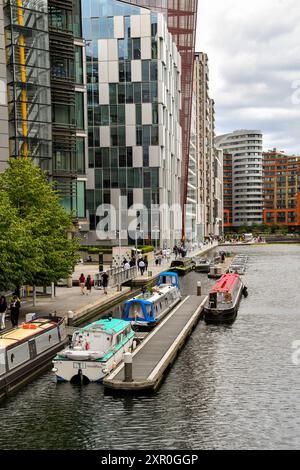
86 284
141 263
14 306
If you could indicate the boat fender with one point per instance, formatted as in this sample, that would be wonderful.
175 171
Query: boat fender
245 291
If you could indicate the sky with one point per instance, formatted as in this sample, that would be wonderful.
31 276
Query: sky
254 63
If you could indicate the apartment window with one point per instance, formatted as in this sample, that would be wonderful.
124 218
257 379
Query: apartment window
78 65
136 48
80 155
79 110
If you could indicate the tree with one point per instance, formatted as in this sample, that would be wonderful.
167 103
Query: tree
43 252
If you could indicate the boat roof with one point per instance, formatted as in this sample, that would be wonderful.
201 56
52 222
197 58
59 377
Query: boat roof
226 283
107 325
160 291
20 334
169 273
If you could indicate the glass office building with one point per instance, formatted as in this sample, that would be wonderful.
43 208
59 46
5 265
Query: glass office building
181 17
134 98
28 80
46 88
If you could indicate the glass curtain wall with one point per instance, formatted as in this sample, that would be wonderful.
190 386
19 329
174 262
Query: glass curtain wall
113 164
28 66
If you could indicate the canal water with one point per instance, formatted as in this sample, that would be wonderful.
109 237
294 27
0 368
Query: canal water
232 387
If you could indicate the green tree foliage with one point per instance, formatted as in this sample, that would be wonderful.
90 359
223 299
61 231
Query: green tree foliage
34 247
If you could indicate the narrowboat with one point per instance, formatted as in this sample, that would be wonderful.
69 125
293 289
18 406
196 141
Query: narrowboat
182 266
94 351
224 299
202 265
27 350
147 309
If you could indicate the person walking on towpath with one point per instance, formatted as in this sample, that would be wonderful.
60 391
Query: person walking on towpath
105 278
142 266
82 283
88 284
15 306
3 308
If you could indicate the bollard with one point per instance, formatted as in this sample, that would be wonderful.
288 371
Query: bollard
199 288
70 317
127 357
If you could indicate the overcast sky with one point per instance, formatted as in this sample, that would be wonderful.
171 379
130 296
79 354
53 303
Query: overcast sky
254 60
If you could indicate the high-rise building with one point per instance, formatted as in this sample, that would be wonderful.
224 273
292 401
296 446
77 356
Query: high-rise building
4 152
218 195
281 189
47 92
69 103
134 97
228 201
247 184
191 207
181 19
209 158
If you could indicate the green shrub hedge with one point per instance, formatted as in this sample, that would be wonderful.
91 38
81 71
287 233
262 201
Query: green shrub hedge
96 249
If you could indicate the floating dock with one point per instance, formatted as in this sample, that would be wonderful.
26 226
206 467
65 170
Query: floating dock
152 357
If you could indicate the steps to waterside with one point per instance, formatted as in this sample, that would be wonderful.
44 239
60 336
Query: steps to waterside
151 359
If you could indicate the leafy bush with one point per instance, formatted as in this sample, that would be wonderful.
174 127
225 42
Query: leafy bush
146 249
96 249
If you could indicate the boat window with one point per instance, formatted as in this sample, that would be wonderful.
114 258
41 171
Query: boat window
50 337
136 311
12 357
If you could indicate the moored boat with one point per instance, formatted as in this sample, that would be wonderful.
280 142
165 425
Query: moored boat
224 299
147 309
202 265
182 266
95 350
28 349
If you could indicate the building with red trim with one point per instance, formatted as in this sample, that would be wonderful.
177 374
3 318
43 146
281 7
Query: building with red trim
281 189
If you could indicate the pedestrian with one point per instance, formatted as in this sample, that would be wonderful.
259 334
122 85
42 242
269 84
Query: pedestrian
159 259
82 283
168 255
142 266
156 260
146 262
127 265
105 278
3 309
88 285
175 251
15 306
132 263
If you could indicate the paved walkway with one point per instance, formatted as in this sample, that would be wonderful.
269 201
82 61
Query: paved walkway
71 299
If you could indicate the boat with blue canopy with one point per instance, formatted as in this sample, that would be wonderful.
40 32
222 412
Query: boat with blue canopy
147 309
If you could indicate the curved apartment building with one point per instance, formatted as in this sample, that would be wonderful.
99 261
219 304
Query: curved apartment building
245 146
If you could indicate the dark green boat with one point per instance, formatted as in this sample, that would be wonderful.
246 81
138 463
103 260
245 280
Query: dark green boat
182 266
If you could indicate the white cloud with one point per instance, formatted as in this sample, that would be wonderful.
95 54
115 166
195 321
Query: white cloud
254 58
